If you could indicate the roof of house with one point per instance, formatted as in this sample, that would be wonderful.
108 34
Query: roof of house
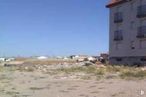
113 3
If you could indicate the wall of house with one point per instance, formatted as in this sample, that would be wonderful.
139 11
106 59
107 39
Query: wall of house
131 46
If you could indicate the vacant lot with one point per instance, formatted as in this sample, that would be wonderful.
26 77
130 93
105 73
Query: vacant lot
82 81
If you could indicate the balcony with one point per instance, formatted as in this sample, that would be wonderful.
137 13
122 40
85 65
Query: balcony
118 35
141 11
141 33
118 17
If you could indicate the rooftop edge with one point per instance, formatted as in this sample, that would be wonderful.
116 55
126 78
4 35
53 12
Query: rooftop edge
115 3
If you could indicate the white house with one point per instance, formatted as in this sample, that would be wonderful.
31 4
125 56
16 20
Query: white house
42 58
2 59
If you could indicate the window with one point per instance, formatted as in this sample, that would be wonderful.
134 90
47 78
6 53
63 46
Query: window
118 17
118 35
143 59
141 11
119 59
141 32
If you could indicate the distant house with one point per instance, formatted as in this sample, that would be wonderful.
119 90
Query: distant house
65 58
10 59
79 58
2 59
74 56
59 57
42 57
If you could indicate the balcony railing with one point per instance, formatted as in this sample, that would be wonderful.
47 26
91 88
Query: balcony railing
141 33
141 11
118 17
118 35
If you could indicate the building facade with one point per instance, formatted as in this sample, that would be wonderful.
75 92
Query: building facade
127 32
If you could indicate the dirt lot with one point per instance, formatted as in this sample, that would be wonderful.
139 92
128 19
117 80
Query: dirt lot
28 82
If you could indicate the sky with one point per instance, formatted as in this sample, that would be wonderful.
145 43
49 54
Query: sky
53 27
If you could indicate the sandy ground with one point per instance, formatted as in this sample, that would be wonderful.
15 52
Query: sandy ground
37 84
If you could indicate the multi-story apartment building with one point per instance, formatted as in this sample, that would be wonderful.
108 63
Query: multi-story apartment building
127 31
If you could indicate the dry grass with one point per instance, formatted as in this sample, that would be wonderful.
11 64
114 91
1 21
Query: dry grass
48 62
133 74
87 70
25 69
108 71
